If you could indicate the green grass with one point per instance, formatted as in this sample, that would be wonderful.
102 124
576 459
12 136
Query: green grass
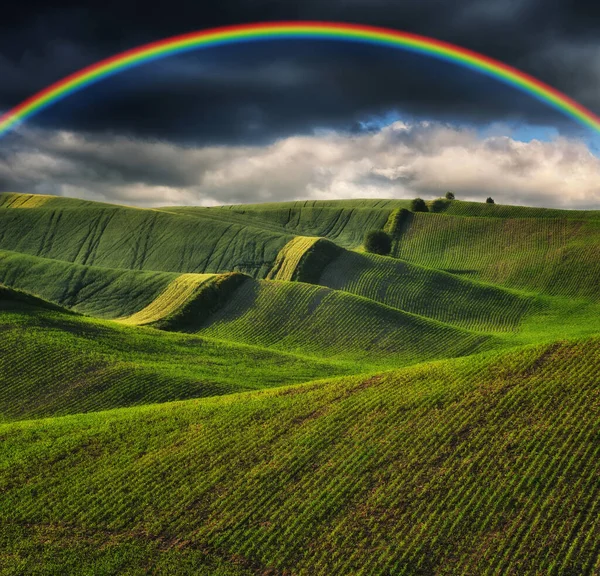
428 292
137 239
53 363
484 465
288 260
346 223
100 292
318 321
241 390
303 259
175 295
482 209
558 257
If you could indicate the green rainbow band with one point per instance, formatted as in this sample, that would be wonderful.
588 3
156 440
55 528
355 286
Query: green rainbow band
291 30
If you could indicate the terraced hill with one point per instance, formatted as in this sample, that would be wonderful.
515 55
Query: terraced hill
244 390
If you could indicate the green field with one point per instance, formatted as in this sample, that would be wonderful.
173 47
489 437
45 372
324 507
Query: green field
244 390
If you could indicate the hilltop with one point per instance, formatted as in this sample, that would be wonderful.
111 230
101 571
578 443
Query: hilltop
245 389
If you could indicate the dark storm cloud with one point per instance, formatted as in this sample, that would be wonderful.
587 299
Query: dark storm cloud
255 93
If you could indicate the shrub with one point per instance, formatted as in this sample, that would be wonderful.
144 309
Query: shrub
490 200
439 205
449 196
418 205
378 242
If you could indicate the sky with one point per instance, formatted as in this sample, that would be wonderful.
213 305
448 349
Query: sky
286 120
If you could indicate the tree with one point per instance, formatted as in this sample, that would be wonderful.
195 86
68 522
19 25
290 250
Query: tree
418 205
439 205
449 196
378 242
490 200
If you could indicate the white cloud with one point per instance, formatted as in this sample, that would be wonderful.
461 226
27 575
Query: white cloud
400 160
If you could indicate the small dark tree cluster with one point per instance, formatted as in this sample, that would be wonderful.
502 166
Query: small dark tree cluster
489 200
418 205
378 242
449 195
439 205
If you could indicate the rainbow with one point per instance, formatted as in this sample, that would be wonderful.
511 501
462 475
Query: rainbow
296 30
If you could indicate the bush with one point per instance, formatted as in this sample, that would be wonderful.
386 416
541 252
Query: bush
378 242
418 205
439 205
490 200
449 196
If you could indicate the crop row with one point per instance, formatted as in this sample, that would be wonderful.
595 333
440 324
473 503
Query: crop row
135 239
288 259
176 294
482 209
326 323
100 292
345 225
427 292
554 256
16 200
53 364
484 465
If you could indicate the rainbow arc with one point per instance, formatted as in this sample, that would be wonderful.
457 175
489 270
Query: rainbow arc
296 30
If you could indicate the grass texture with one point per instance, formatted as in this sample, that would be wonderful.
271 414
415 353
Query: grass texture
242 390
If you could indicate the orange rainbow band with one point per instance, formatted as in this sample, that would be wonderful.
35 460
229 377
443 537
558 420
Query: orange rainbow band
296 30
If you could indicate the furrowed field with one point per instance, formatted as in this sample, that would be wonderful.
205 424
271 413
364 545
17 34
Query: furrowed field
245 390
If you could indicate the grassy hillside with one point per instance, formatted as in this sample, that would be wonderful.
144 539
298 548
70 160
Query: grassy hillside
288 260
545 255
101 292
176 294
54 363
346 224
303 259
427 292
243 390
136 239
482 209
318 321
484 465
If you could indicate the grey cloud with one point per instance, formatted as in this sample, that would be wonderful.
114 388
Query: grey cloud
402 160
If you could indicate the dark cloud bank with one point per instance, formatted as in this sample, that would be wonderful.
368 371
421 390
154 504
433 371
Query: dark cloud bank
255 93
258 122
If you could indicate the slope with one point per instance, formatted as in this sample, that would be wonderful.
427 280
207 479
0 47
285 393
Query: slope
344 222
53 362
309 319
482 209
315 320
545 255
101 292
427 292
134 238
484 465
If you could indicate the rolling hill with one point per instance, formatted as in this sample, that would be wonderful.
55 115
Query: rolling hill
55 362
244 390
482 465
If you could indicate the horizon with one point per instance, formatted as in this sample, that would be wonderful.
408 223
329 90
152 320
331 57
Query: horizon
312 199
